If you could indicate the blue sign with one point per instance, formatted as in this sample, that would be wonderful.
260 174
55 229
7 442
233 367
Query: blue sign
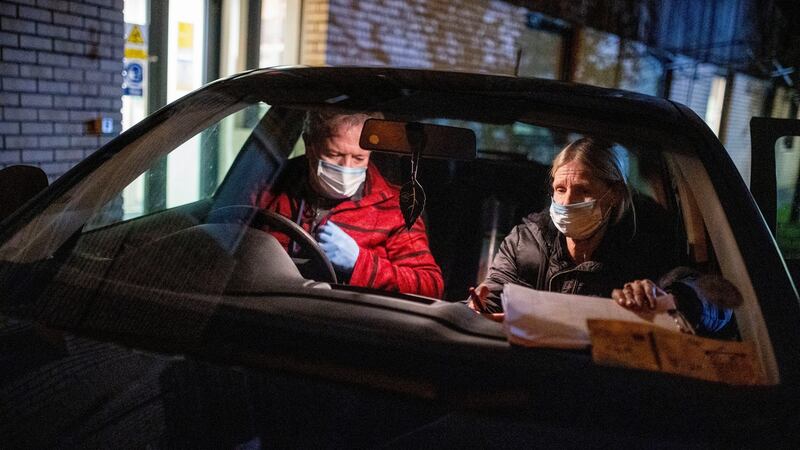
135 72
133 77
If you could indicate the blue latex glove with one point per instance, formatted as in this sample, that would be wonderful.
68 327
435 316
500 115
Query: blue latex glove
338 246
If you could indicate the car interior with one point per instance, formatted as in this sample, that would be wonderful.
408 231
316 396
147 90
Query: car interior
472 205
197 316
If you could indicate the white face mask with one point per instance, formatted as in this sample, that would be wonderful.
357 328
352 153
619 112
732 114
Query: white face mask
338 181
578 220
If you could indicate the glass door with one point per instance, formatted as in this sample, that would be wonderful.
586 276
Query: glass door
184 38
185 70
135 90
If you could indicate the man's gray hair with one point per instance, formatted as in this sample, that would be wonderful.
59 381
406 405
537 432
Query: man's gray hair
321 124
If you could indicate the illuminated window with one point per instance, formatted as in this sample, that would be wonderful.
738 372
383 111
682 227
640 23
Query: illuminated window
716 100
280 32
597 62
541 54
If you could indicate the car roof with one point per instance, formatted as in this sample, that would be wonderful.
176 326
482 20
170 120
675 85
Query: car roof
484 97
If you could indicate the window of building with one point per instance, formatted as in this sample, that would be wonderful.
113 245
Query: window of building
280 32
716 100
597 61
639 70
541 54
135 90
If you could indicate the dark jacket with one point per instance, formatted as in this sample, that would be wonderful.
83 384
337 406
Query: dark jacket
535 255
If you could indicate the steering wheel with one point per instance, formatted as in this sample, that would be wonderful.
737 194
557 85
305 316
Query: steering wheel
320 266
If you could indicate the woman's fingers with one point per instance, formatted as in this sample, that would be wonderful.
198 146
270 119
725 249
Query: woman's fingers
475 302
627 297
618 296
638 294
477 296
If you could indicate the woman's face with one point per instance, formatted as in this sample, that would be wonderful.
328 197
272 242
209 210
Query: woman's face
574 183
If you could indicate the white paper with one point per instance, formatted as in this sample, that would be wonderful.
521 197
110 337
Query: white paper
548 319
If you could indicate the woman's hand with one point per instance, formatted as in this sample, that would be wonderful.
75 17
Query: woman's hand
643 295
477 298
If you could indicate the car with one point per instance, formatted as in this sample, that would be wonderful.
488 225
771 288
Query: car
141 306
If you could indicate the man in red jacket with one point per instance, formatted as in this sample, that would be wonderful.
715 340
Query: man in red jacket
338 196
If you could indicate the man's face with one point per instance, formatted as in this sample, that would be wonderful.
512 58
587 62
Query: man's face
342 148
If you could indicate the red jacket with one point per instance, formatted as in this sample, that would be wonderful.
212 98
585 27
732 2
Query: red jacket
390 257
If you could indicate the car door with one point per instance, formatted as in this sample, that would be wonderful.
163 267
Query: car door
775 148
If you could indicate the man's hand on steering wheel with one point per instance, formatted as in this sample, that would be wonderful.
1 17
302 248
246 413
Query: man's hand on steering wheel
341 249
263 219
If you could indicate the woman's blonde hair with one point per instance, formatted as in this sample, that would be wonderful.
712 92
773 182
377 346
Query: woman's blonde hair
599 156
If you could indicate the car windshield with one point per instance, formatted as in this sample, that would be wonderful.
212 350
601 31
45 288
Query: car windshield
166 210
264 185
188 204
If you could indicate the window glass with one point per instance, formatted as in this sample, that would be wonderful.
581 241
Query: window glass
716 100
541 54
787 162
640 71
597 62
745 100
220 143
185 73
691 83
785 104
280 32
233 38
135 88
516 141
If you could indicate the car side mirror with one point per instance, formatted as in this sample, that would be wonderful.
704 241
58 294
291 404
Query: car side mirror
18 184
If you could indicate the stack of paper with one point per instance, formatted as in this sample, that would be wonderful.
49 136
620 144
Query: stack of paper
548 319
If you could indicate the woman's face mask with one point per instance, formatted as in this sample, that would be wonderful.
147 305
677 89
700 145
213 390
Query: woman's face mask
338 181
579 220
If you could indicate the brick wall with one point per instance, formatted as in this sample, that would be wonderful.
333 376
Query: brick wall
315 32
477 35
60 67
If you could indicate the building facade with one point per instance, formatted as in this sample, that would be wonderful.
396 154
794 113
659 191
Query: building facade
66 65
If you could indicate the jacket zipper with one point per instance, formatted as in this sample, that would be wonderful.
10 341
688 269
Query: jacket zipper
550 283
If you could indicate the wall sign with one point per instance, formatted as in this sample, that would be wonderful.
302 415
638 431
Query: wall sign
134 74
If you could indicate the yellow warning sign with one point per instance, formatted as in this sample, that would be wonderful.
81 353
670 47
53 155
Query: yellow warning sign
135 36
185 35
135 53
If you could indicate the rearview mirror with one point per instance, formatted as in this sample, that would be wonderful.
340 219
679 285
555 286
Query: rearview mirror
435 141
18 184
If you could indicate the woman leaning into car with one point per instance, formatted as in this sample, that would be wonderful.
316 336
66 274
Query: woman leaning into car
588 243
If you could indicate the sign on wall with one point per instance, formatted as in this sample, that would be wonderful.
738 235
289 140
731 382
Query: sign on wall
135 61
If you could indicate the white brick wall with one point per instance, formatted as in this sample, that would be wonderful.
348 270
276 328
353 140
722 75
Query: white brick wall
60 65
